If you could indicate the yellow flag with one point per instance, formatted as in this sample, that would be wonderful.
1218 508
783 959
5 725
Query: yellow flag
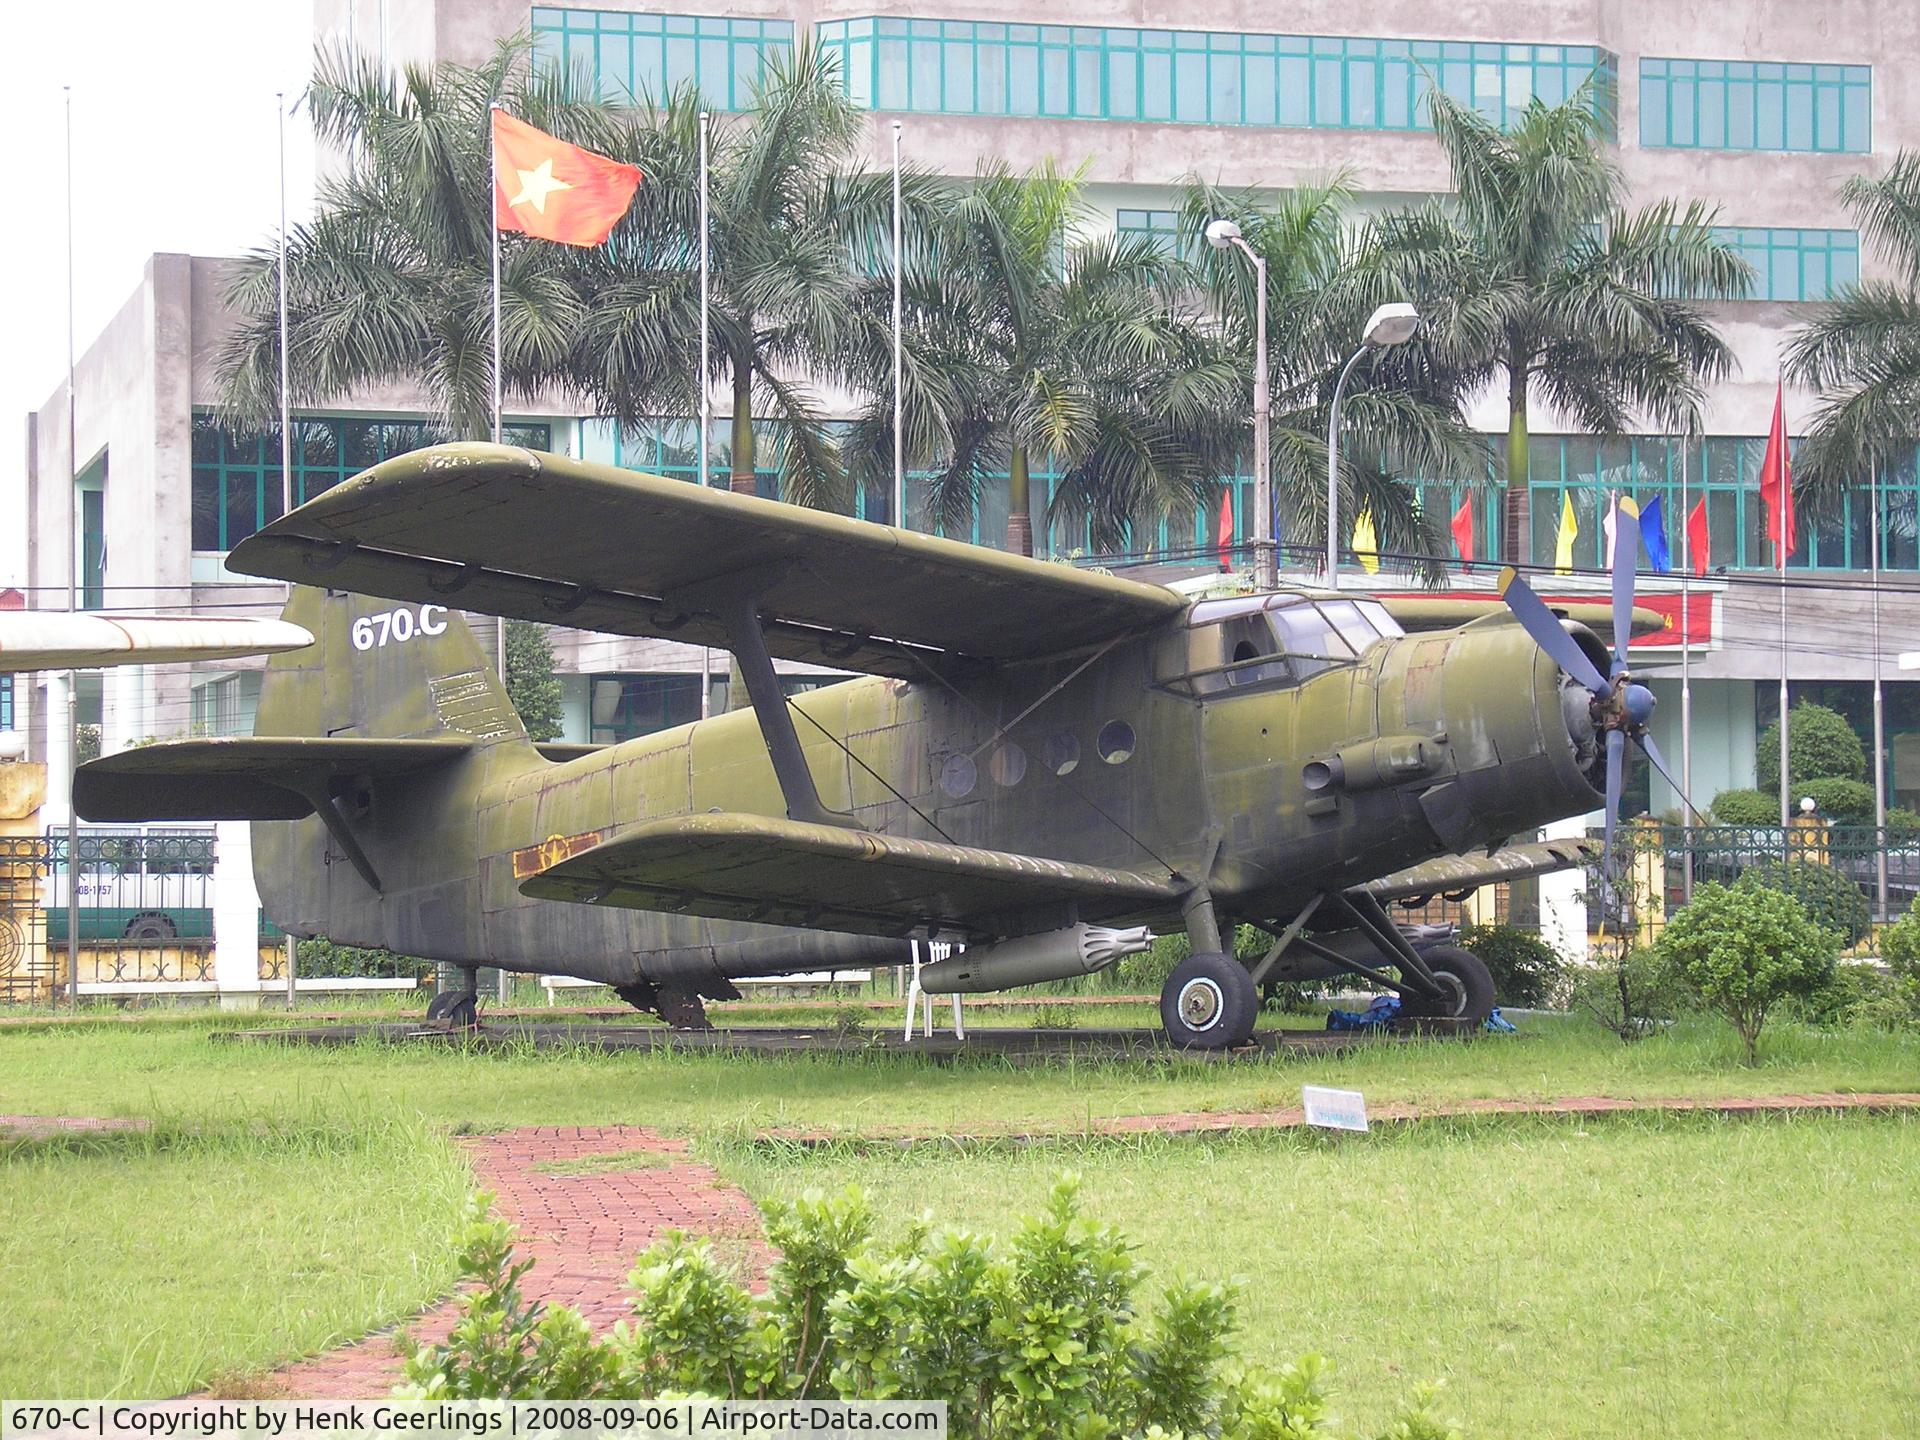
1366 546
1569 529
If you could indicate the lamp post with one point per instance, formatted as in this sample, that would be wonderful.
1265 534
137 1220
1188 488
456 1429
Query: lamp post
1392 324
1266 575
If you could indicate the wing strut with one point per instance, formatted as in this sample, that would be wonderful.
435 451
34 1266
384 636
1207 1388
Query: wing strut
734 602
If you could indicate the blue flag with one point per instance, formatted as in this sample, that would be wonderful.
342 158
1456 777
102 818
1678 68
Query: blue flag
1653 534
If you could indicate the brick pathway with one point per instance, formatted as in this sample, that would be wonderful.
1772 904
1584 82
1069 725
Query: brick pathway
583 1232
45 1127
1288 1117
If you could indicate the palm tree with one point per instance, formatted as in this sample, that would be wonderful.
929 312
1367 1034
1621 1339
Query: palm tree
1025 346
1862 352
1533 272
796 227
1400 416
391 283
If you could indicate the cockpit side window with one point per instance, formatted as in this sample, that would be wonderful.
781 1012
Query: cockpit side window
1311 640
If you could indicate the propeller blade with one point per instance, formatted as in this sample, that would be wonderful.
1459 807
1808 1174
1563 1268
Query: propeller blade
1645 742
1626 556
1539 622
1616 783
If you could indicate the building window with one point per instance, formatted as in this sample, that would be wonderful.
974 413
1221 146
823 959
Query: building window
1796 264
226 706
1160 228
6 702
637 58
1755 105
1725 469
625 706
1197 77
236 478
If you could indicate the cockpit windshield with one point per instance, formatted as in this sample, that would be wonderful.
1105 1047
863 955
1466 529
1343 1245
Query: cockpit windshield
1268 640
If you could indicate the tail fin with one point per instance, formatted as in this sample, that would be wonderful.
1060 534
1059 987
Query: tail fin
379 669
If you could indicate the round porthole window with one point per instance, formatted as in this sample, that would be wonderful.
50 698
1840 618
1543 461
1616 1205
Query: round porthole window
1063 753
958 775
1116 742
1008 766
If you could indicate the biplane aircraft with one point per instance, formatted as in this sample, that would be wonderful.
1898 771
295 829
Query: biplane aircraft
1045 763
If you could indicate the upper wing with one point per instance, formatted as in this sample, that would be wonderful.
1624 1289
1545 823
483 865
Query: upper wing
784 872
542 537
1443 612
243 778
36 640
1470 872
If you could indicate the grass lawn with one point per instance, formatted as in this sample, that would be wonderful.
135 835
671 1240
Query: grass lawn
148 1264
1673 1276
176 1067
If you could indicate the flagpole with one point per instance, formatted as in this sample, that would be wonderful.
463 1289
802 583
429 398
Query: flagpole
706 373
1879 707
286 420
1781 501
73 603
899 443
1686 658
493 231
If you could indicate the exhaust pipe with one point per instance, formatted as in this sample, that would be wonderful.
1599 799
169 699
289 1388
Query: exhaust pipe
1031 959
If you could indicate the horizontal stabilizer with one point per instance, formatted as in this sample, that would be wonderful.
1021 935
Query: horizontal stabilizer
1470 872
243 777
542 537
784 872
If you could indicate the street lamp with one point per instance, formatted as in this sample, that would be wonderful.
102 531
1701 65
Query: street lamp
1392 324
1221 234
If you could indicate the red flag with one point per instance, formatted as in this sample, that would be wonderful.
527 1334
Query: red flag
1776 486
1463 528
555 191
1223 532
1699 543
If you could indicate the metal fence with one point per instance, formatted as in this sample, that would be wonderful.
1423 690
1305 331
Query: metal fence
1657 867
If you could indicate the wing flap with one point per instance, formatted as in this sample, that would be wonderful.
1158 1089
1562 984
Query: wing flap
784 872
1470 872
242 777
547 538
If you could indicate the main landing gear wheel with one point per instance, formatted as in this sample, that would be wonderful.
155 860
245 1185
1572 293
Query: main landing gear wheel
1209 1003
459 1008
1465 983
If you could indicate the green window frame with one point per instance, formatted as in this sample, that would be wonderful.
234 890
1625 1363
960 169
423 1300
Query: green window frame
1755 105
631 58
1791 264
1160 228
1198 77
6 702
236 477
1725 469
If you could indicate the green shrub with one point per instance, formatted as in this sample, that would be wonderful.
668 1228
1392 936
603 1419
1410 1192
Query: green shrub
324 958
1844 802
1831 898
1525 969
1044 1334
1902 823
1821 744
1148 971
1746 807
1632 993
1745 948
1900 944
1860 996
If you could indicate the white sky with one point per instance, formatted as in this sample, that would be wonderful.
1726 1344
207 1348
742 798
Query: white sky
174 149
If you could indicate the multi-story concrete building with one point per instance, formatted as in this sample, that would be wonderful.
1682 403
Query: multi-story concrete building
1760 109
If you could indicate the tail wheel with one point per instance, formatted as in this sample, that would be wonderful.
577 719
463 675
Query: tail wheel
1209 1003
459 1008
1466 987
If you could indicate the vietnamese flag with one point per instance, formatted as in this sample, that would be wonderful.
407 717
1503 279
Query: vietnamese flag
1776 486
1223 532
1699 542
1463 529
555 191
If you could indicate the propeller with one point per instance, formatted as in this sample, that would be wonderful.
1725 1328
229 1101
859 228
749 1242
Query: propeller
1622 708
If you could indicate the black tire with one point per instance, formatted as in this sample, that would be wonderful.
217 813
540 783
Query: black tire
456 1007
1209 1003
1466 980
151 925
